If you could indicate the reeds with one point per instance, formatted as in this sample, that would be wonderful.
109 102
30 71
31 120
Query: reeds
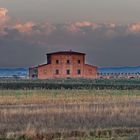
65 111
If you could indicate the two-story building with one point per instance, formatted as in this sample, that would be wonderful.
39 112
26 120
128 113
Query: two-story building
64 64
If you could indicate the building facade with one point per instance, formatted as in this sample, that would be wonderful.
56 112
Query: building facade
65 64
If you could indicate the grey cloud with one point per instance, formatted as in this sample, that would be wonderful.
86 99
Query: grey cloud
105 44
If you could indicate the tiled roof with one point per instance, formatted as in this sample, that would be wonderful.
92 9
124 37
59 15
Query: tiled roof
66 53
42 65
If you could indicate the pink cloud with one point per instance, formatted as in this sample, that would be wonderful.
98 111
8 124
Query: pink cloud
77 26
135 27
44 29
24 28
31 28
111 25
3 19
3 13
84 24
40 32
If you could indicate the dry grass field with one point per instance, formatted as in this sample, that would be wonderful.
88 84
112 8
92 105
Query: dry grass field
70 114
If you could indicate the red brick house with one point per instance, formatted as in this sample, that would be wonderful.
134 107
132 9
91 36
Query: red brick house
65 64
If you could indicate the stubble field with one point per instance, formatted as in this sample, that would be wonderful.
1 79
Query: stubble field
70 114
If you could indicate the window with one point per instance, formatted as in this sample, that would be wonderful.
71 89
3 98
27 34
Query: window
57 72
78 71
45 72
57 61
68 72
68 61
79 61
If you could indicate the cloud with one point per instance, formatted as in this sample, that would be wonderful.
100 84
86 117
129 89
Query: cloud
135 27
3 19
111 25
80 26
24 28
106 44
84 24
3 14
44 29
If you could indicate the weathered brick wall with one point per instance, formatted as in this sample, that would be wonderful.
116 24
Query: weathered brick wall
49 70
90 71
45 72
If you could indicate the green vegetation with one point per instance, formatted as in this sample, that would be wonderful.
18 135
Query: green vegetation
120 84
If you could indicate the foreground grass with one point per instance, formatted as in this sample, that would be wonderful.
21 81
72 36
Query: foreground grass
66 96
50 114
123 138
136 137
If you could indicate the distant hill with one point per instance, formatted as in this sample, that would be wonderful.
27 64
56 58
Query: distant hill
23 72
10 72
119 69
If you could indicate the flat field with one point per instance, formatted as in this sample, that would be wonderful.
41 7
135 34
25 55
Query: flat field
70 114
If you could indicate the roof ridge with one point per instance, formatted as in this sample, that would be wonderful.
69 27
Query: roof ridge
63 52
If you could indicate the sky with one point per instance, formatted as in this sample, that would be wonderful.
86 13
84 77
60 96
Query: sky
108 31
